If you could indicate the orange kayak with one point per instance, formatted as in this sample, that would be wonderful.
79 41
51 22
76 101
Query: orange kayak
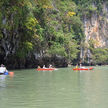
45 69
83 68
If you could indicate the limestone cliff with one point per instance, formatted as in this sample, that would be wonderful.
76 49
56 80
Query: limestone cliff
96 27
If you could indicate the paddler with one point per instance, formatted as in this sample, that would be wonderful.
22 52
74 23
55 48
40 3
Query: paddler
44 66
39 67
3 69
76 66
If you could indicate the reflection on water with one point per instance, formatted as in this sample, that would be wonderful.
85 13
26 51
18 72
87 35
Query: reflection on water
2 81
63 88
93 88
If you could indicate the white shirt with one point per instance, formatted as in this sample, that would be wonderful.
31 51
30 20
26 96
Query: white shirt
2 69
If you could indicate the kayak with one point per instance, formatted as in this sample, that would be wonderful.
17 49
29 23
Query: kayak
83 68
5 73
46 69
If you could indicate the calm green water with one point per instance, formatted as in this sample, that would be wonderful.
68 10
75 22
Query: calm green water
63 88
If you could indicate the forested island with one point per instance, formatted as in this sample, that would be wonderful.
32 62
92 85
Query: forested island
57 32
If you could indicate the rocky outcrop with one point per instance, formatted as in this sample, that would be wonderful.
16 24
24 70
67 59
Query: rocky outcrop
96 27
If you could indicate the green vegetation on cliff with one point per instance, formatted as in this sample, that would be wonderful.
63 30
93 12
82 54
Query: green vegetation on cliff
42 28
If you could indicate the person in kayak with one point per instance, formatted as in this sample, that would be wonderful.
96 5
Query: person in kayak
44 66
76 66
50 66
82 67
39 67
3 69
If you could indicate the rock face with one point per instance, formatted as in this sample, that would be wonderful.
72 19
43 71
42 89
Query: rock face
96 27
